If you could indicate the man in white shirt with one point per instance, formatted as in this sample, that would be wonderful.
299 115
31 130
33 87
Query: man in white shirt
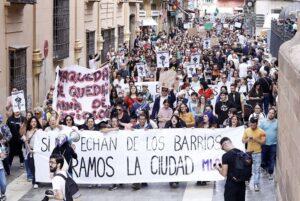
243 67
58 183
93 61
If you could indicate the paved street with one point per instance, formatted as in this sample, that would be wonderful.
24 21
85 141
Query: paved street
20 189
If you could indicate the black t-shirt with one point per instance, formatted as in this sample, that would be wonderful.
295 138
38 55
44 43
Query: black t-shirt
14 125
229 159
265 84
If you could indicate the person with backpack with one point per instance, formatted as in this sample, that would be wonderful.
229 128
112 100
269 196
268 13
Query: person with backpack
64 187
255 137
236 169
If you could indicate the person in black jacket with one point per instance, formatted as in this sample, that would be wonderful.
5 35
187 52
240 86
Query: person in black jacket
63 147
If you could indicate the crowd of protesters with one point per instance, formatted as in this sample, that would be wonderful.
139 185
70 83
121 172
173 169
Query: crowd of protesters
238 65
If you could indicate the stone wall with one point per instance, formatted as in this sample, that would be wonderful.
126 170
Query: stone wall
288 160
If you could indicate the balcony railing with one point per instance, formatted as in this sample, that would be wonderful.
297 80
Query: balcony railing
155 13
142 13
22 1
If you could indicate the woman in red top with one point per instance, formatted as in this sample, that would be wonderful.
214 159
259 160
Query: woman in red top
131 98
206 91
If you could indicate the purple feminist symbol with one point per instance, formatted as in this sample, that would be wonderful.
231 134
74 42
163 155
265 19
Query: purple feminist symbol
163 58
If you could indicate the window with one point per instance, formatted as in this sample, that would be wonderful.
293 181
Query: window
109 42
61 23
90 45
153 6
17 69
23 1
120 35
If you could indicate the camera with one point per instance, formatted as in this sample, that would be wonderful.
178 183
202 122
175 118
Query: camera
215 165
48 193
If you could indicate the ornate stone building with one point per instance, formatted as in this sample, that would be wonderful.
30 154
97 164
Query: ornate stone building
38 35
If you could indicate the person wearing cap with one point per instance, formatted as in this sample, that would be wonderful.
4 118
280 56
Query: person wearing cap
233 190
222 108
255 137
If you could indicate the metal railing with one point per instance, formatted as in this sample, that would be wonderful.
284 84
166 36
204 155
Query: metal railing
280 32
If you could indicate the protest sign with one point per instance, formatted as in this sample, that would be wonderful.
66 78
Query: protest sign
158 155
153 87
163 59
195 59
193 31
80 90
168 79
191 69
214 41
141 68
18 101
206 43
238 25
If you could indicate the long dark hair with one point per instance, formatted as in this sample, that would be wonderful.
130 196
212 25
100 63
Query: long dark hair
28 125
65 120
204 84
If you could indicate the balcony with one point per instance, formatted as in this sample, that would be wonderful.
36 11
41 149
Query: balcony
142 13
155 13
22 1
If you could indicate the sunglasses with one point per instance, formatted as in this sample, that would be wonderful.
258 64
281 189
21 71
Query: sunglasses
119 109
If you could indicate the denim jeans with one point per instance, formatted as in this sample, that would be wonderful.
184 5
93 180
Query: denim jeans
266 102
28 171
268 157
2 181
256 167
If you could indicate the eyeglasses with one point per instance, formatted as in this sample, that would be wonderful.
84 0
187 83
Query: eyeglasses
68 119
164 90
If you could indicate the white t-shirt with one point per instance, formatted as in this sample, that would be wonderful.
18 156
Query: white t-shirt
92 64
58 183
243 67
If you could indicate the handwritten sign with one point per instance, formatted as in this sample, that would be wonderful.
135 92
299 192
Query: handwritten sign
80 90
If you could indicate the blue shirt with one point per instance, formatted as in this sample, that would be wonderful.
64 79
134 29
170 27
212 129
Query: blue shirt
271 129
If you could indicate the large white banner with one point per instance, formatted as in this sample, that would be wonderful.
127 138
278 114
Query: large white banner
158 155
18 101
163 59
79 90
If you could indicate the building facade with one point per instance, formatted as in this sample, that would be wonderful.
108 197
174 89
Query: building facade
36 36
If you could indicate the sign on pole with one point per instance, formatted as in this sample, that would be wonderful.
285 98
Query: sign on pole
18 101
163 59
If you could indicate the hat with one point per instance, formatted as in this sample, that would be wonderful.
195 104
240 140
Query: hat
253 120
1 118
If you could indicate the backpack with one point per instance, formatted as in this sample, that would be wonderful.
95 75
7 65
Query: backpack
242 170
71 188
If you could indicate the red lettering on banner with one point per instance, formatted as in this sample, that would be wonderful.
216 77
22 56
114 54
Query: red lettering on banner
73 76
60 91
66 106
88 91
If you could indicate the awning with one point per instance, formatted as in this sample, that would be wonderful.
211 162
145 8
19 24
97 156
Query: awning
148 21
